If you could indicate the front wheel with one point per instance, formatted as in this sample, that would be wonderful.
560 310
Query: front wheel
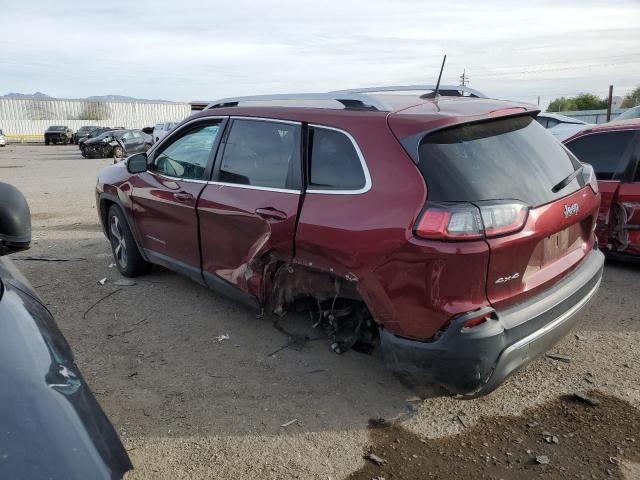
117 152
125 251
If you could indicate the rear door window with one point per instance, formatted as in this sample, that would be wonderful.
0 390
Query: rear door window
511 158
262 154
334 163
608 153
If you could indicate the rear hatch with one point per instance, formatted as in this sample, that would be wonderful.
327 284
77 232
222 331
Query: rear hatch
507 180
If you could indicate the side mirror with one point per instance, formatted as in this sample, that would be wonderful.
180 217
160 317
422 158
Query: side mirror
137 163
15 220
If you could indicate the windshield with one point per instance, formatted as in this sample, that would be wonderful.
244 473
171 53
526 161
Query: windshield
513 158
86 129
631 113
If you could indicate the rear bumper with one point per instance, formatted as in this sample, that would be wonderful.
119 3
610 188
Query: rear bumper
477 360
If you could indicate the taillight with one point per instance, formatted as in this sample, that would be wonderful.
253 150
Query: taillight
589 176
466 221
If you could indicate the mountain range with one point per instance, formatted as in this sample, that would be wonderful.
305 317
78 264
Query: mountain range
94 98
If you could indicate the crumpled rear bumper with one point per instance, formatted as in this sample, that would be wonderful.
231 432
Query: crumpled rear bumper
474 361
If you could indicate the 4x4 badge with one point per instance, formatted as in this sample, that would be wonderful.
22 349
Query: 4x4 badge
572 209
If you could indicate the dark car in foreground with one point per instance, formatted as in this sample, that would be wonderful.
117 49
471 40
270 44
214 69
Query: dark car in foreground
58 134
455 229
51 426
116 144
614 151
83 132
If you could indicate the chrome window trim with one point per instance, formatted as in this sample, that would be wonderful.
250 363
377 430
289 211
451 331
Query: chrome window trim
264 119
363 163
179 179
255 187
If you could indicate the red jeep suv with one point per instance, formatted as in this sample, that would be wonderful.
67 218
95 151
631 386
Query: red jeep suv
452 228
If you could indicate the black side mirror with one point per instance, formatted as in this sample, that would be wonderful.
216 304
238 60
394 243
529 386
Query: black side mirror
15 220
137 163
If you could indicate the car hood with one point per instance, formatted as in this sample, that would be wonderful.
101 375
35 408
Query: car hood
95 140
51 425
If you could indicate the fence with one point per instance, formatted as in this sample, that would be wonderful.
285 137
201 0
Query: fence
592 116
28 119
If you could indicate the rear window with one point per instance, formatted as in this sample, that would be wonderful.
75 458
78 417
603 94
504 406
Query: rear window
334 163
606 152
513 158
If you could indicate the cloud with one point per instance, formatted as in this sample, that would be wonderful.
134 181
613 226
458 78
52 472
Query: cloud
204 50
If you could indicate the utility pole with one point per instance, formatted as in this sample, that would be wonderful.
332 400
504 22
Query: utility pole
609 102
464 80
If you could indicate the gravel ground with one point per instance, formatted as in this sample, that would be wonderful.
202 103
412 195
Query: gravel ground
188 405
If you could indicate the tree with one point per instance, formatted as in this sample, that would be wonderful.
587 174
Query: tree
631 99
584 101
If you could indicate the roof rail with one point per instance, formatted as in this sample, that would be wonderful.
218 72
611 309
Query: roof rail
349 100
445 90
357 98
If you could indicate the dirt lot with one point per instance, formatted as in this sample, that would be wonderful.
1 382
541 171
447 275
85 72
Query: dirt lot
188 405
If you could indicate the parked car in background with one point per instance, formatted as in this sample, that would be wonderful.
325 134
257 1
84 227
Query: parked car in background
3 139
83 132
458 231
561 126
614 151
58 134
94 133
629 114
116 144
162 129
51 425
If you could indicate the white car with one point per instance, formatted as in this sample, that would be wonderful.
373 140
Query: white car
3 139
162 129
631 113
561 126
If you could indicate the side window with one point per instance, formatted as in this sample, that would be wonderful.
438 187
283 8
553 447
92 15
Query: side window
607 152
187 157
542 121
552 122
334 163
128 135
263 154
135 134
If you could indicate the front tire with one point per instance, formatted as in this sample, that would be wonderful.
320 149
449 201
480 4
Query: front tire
117 152
125 251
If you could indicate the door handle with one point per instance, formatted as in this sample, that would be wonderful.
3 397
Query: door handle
183 197
269 213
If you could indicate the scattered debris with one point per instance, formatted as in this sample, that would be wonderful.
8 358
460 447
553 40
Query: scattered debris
102 281
50 259
317 371
84 315
580 337
462 421
551 438
532 424
542 460
111 265
560 358
584 398
377 422
124 282
290 422
142 322
375 459
224 336
131 375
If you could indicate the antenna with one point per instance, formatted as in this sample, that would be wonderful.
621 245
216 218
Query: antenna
439 78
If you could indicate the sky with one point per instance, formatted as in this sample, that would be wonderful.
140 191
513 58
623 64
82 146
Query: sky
208 49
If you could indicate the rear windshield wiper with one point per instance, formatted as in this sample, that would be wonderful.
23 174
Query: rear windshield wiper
566 181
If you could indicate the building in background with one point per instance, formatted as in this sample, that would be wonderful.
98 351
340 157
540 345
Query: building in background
30 118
